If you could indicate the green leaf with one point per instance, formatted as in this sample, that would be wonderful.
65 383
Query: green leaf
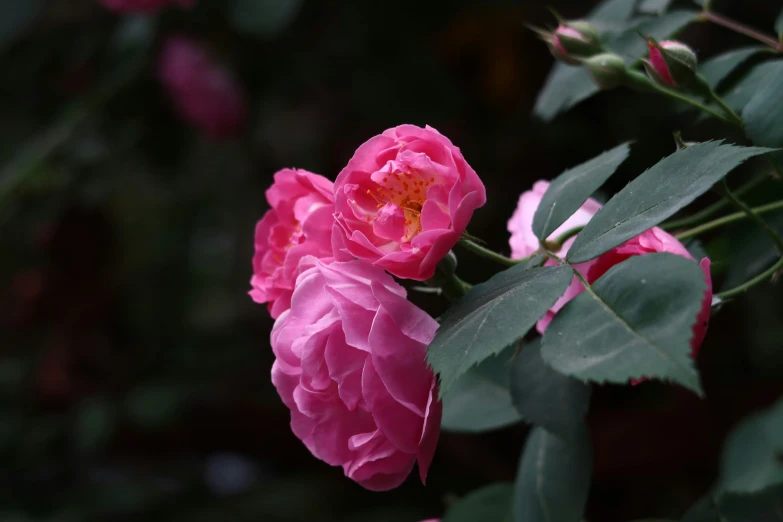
489 504
266 18
753 453
480 400
553 478
654 6
764 112
611 13
94 424
15 15
752 250
631 46
740 93
657 194
570 189
636 322
704 510
766 506
544 397
717 68
491 316
779 26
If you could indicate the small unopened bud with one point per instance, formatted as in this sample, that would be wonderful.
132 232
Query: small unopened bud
574 40
606 69
672 64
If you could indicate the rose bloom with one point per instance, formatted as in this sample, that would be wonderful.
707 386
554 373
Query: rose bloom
298 224
404 199
144 6
524 242
204 92
350 365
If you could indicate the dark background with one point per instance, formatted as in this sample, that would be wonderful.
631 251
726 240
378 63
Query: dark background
134 368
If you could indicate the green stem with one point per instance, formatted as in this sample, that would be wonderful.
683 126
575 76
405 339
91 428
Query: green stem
568 234
489 254
762 277
728 110
641 80
741 29
723 188
725 220
715 207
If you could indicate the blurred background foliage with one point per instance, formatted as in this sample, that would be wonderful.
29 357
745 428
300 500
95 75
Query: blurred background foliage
134 368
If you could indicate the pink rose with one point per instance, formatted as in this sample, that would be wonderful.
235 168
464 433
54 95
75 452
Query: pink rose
144 6
657 240
350 366
524 242
403 201
298 224
204 92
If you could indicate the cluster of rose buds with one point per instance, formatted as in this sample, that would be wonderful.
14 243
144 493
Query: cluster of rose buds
671 64
349 347
144 6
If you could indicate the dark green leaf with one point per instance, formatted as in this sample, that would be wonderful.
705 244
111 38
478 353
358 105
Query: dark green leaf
544 397
636 322
265 18
704 510
657 194
570 189
611 13
491 316
751 460
553 478
741 92
480 400
654 6
94 424
764 112
488 504
766 506
14 17
753 251
717 68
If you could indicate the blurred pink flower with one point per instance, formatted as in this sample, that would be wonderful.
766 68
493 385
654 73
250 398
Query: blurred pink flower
350 366
204 92
298 224
403 201
524 242
658 240
144 6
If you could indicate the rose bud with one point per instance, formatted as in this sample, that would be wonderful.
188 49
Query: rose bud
671 64
403 201
606 69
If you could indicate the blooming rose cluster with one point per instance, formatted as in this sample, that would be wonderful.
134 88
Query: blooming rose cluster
349 347
524 242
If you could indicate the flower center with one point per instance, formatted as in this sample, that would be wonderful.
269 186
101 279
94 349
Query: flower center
407 190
